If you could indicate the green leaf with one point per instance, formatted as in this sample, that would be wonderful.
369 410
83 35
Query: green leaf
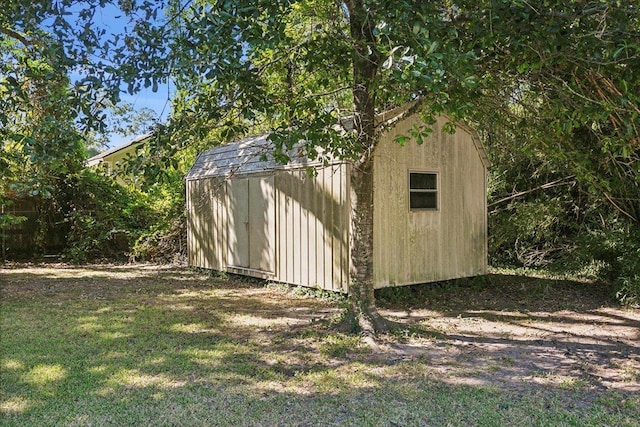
401 140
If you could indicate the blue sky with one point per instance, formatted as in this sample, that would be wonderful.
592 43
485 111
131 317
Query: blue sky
114 22
146 98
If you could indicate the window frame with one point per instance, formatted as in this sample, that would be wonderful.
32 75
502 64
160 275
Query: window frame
419 190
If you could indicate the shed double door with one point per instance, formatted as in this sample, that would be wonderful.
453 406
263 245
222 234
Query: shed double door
252 225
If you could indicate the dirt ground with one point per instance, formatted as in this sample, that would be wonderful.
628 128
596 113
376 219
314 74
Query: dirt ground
504 330
520 331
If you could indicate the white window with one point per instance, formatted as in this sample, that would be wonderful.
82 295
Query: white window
423 191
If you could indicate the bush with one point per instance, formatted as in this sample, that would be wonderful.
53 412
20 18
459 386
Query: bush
166 239
619 252
567 233
163 244
530 233
103 217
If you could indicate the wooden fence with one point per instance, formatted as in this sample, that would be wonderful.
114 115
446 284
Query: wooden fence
18 241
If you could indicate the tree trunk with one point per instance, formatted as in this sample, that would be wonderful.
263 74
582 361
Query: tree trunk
363 303
365 67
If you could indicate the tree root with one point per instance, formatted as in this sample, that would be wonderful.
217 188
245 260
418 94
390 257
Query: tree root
370 324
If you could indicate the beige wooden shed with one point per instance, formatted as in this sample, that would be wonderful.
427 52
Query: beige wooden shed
248 214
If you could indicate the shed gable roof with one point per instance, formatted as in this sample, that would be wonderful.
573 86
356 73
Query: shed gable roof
255 154
250 155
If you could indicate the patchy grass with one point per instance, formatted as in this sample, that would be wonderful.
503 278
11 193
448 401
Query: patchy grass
148 345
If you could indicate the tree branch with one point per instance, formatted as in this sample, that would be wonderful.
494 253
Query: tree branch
16 35
329 92
563 181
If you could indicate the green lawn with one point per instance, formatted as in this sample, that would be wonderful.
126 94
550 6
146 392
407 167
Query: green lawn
144 345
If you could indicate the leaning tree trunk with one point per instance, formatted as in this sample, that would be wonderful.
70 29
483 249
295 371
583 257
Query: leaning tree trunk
365 67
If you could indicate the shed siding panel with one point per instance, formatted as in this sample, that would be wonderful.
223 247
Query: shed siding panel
221 239
261 223
315 243
310 217
201 205
205 235
297 233
332 190
198 232
205 225
238 204
303 260
192 217
423 246
311 274
339 228
341 214
216 191
281 230
289 222
327 221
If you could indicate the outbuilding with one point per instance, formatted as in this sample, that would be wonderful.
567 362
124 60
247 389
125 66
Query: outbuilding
249 215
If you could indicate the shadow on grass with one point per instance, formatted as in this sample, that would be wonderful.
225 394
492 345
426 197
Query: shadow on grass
501 292
122 345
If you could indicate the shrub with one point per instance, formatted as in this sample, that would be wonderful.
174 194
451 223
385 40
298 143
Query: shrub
166 239
530 234
619 251
103 217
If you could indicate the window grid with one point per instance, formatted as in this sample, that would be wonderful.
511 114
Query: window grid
423 191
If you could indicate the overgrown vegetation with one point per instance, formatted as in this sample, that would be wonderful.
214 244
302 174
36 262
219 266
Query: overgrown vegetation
91 216
110 221
562 229
545 214
104 218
